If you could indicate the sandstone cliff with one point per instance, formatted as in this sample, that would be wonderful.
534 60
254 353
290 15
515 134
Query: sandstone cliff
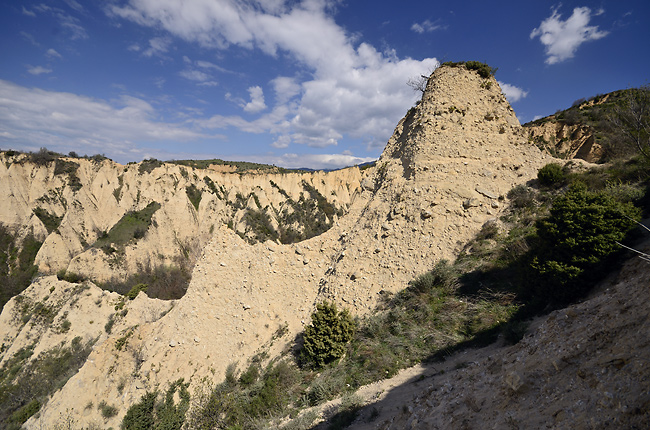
443 174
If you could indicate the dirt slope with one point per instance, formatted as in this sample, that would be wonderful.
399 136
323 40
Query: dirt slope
443 174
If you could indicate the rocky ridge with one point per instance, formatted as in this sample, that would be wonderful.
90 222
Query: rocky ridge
567 141
103 192
443 174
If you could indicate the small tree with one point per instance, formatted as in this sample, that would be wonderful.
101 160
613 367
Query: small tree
581 231
326 336
632 119
418 83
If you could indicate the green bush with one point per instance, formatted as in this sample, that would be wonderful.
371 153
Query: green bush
23 414
194 195
482 69
166 415
140 415
50 221
108 411
148 165
163 282
551 175
580 232
522 197
326 336
133 225
442 276
133 292
73 278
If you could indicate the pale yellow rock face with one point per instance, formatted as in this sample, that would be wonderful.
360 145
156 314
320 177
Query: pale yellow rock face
444 173
567 141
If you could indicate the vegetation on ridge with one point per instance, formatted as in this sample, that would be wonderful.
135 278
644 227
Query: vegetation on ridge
482 69
16 263
133 225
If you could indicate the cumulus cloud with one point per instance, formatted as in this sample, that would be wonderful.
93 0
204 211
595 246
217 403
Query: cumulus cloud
353 90
65 121
38 70
512 92
427 26
257 100
563 38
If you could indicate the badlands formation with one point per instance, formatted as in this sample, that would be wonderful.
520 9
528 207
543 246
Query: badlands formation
444 173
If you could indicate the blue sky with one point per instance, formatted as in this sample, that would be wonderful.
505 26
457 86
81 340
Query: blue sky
312 83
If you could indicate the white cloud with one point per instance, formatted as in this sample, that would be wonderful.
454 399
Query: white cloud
427 26
563 38
209 65
512 93
281 142
64 122
194 75
28 12
311 161
30 38
51 53
67 21
38 70
353 90
202 78
285 88
74 5
134 47
257 100
157 46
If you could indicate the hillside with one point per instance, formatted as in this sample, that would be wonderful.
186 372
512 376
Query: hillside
586 130
263 249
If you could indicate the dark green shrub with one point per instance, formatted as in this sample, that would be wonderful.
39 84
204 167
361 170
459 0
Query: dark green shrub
140 415
108 411
522 197
133 225
166 415
147 165
551 175
133 292
163 282
441 276
580 232
250 375
275 393
325 338
194 194
108 327
50 221
482 69
73 278
23 414
43 157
